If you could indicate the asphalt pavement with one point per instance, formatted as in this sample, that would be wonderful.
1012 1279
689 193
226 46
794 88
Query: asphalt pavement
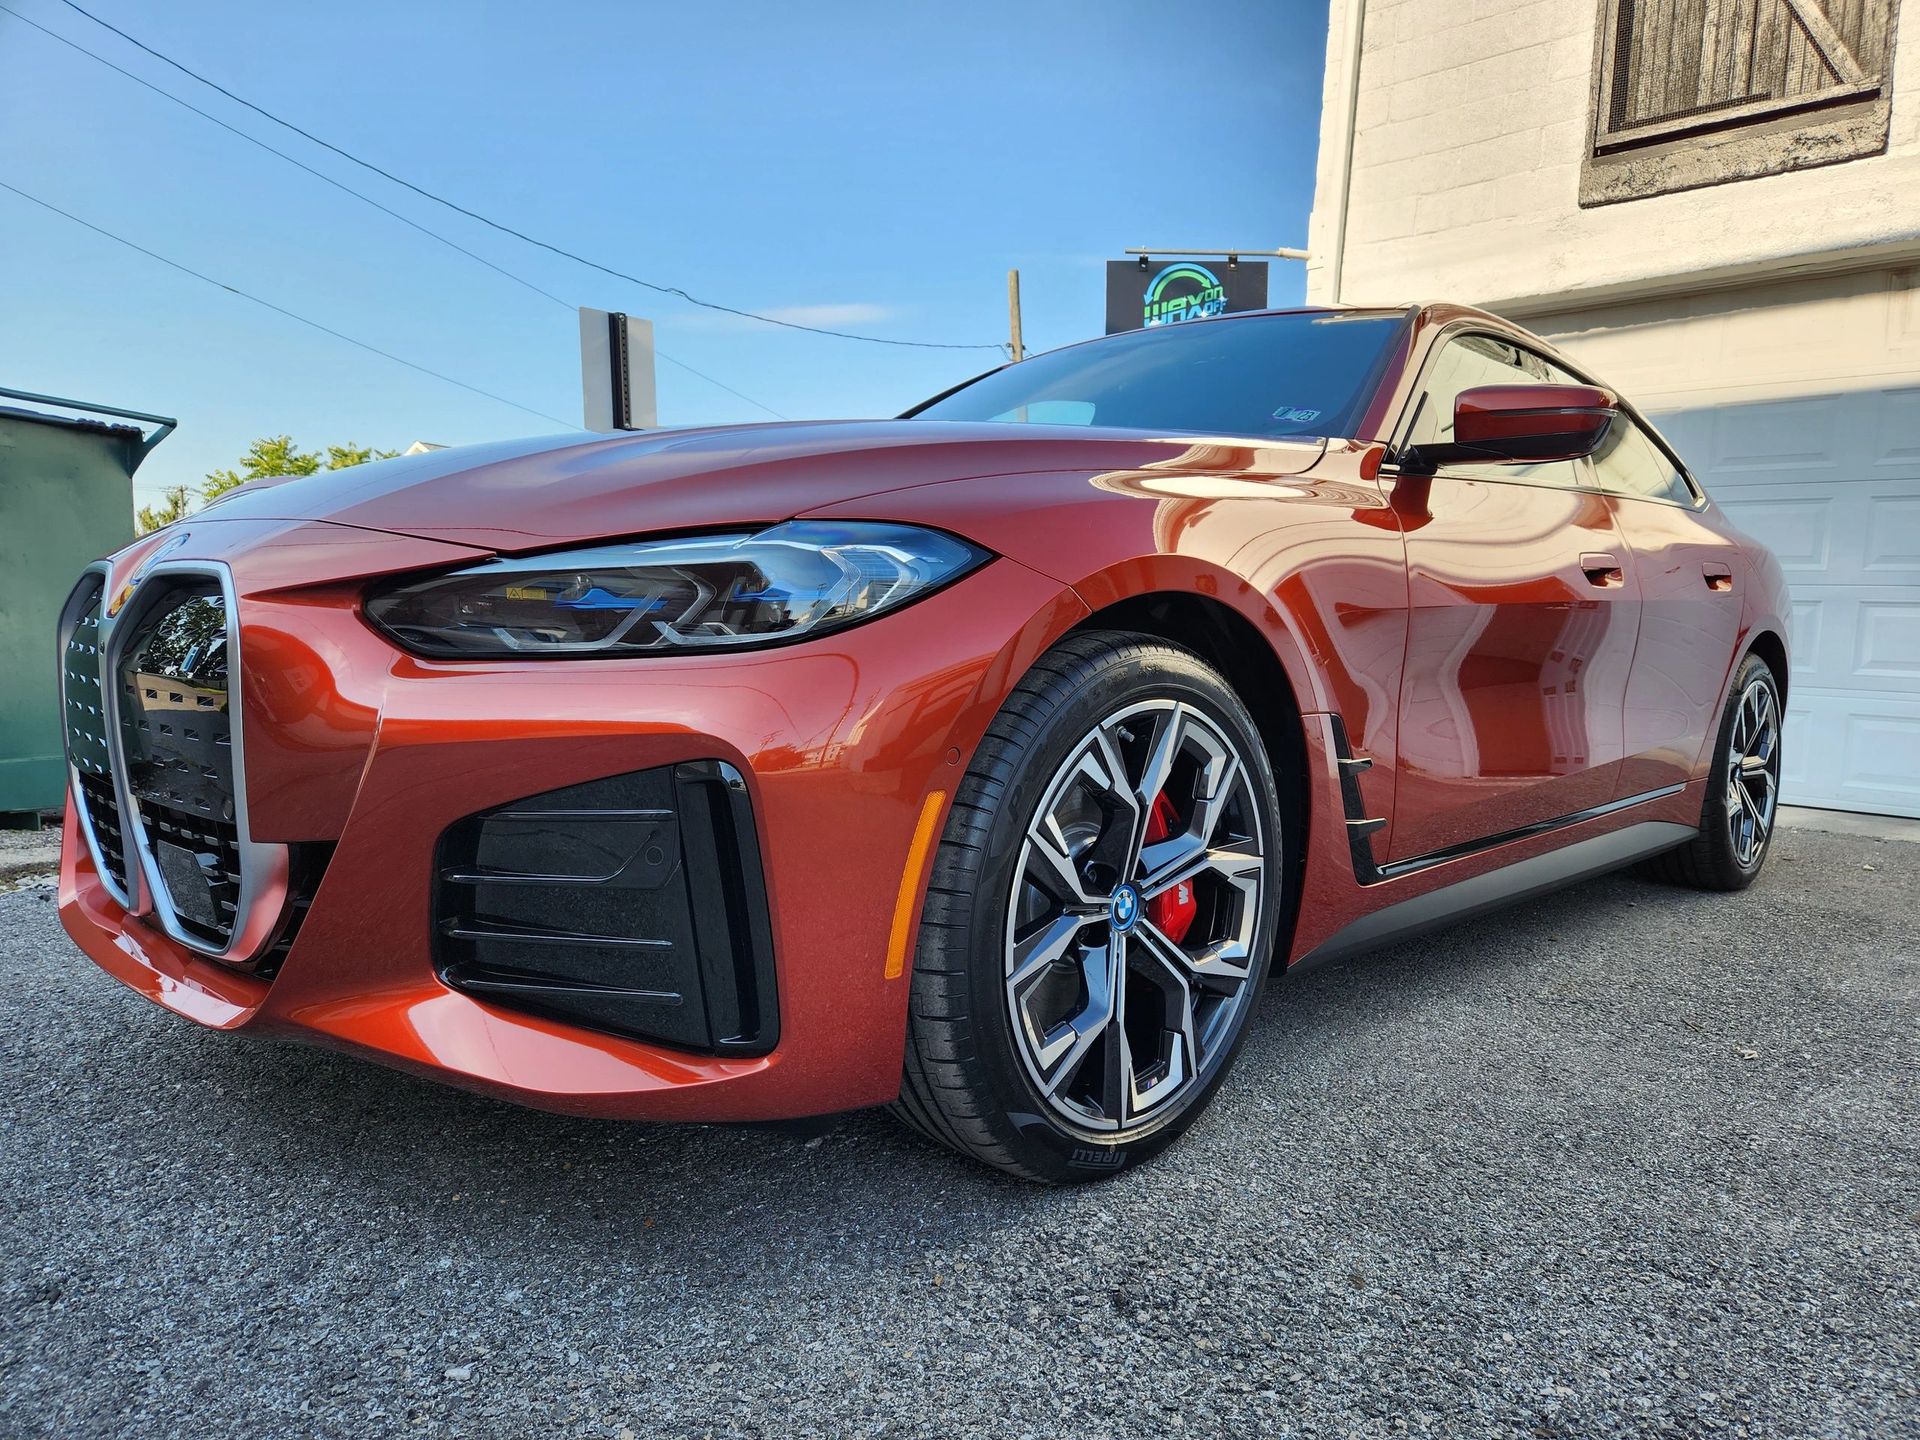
1625 1161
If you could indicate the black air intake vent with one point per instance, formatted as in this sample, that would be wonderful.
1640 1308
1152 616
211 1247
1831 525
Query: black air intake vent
633 904
103 814
306 864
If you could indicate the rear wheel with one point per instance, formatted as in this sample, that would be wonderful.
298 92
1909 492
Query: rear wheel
1743 791
1100 917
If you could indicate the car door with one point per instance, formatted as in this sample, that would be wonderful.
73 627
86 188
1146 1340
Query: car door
1690 581
1523 612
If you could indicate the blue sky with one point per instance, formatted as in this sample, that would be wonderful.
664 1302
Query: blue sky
874 167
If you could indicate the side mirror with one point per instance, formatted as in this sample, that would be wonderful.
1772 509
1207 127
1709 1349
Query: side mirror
1521 425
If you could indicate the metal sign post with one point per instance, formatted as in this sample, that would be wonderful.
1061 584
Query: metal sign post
616 371
1281 254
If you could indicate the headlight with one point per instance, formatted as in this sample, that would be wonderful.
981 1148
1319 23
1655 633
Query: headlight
709 592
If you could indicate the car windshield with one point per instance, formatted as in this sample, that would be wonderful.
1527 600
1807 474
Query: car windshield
1267 375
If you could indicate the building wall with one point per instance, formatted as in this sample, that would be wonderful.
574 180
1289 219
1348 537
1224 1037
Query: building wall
1797 403
66 498
1770 326
1472 119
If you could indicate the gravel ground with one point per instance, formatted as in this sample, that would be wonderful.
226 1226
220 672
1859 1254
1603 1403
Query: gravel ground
28 856
1627 1161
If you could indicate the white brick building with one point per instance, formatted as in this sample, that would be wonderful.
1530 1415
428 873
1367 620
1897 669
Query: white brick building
1716 205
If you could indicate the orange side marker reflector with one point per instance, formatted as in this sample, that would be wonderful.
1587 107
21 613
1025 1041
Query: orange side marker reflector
910 878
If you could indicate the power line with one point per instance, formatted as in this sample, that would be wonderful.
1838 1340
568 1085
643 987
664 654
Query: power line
359 195
281 309
721 384
291 160
504 229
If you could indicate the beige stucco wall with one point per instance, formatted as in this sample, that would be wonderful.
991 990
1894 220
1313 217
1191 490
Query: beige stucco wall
1857 330
1797 402
1472 120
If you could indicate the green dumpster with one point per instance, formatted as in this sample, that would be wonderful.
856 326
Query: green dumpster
66 497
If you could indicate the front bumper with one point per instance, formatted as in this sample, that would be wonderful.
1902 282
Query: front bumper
353 744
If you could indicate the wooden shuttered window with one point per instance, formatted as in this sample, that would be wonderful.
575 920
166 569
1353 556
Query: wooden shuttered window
1756 86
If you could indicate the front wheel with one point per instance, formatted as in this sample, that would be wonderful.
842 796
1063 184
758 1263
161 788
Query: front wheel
1743 791
1100 917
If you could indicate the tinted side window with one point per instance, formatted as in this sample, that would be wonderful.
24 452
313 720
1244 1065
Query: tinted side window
1629 463
1471 360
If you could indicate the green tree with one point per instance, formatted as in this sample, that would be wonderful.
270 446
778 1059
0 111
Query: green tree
151 517
339 457
268 456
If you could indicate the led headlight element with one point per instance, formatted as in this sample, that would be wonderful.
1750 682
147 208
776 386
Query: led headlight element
707 592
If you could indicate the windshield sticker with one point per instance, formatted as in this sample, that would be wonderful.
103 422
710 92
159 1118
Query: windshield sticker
1296 416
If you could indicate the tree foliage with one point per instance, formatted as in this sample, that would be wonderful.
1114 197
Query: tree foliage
339 457
270 455
151 517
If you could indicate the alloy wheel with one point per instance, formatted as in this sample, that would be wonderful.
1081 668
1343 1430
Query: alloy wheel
1136 898
1753 771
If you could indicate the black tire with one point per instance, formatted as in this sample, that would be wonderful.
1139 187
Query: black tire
965 1081
1711 860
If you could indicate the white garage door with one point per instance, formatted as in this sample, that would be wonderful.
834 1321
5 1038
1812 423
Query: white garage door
1832 484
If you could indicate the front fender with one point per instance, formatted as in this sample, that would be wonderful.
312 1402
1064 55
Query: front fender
1299 540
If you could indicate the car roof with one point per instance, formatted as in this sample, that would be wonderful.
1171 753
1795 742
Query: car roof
1427 314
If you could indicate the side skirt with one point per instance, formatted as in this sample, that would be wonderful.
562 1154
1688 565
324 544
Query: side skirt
1493 889
1360 827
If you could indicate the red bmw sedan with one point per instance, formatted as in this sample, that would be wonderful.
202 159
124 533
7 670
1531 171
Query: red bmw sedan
984 763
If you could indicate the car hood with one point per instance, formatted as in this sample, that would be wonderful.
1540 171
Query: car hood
528 494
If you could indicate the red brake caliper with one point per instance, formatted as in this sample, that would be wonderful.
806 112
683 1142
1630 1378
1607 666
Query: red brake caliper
1171 911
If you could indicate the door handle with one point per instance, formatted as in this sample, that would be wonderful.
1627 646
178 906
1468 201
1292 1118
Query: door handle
1718 575
1602 570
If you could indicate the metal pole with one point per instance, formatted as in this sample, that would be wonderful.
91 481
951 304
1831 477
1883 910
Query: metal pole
1280 254
1337 267
1013 313
165 424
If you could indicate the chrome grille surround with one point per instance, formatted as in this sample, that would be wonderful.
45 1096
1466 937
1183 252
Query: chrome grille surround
85 727
251 894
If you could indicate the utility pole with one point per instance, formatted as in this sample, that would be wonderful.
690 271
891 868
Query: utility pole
1013 313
